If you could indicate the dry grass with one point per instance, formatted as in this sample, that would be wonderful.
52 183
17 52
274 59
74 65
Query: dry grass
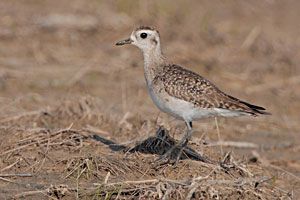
63 81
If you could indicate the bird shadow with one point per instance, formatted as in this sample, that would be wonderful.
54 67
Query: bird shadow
159 144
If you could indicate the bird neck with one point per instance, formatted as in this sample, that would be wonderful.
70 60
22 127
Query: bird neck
153 63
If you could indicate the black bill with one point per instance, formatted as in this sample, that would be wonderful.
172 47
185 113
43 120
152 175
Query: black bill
122 42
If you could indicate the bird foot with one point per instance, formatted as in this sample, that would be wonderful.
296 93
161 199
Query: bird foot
172 156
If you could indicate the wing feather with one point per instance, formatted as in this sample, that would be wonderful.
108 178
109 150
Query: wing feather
189 86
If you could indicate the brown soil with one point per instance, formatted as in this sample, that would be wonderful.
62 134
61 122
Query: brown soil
62 80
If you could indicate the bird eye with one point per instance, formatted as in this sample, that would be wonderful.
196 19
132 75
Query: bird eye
143 35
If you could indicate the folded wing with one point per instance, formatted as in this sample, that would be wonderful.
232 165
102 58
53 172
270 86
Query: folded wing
189 86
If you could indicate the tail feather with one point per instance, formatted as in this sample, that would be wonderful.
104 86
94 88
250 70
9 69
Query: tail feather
256 109
253 106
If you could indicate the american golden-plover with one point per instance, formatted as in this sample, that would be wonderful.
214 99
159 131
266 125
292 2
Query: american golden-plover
181 92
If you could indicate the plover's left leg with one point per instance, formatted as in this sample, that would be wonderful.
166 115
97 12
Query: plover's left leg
173 155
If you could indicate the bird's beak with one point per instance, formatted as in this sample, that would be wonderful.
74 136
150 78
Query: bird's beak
122 42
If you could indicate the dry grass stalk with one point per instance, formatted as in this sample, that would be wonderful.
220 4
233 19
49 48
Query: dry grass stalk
219 136
6 180
16 175
22 115
251 37
233 144
63 137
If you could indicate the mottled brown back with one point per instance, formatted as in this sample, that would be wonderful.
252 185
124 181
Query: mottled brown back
189 86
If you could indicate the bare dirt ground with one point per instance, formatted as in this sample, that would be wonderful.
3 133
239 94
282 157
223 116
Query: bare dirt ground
63 80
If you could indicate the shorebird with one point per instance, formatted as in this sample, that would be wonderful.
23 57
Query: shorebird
180 92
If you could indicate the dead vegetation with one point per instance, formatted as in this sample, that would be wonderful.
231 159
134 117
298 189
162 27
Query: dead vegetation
76 120
119 171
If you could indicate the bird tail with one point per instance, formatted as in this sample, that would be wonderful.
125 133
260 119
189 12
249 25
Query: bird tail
256 109
250 108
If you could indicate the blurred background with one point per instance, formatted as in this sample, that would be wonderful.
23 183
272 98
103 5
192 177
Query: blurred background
54 53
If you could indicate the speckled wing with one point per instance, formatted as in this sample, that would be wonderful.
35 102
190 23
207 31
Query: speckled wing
189 86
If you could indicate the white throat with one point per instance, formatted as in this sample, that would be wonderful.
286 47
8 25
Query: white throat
153 61
152 56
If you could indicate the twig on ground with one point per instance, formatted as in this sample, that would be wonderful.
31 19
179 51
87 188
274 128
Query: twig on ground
192 190
19 175
53 192
52 136
234 144
238 182
7 180
166 195
129 182
106 177
196 183
26 114
11 165
29 193
92 129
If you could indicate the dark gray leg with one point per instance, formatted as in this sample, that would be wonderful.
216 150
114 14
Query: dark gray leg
178 148
183 142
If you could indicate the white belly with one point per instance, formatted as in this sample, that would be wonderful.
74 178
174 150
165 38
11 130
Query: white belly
160 102
187 111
